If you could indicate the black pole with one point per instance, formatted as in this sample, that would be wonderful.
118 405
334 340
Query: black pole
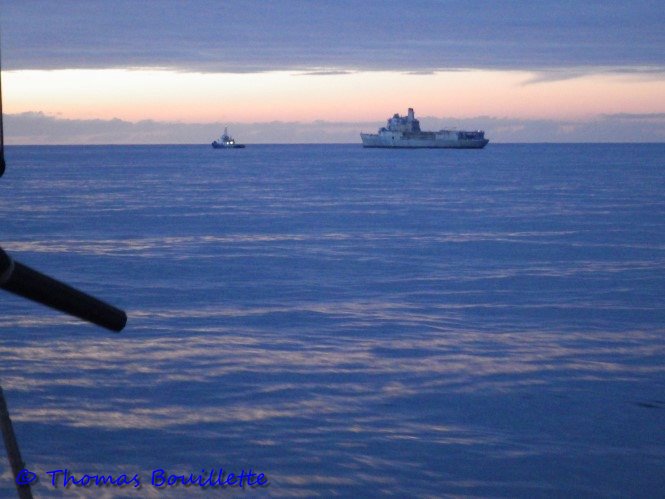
24 281
2 131
13 454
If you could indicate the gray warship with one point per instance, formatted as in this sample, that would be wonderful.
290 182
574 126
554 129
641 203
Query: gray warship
404 132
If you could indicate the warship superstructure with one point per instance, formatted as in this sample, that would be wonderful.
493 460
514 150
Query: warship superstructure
404 132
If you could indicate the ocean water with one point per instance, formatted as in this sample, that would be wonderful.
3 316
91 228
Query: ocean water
349 322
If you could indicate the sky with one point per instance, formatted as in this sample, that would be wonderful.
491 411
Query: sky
311 71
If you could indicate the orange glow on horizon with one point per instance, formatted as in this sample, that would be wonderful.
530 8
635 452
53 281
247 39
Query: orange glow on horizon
135 95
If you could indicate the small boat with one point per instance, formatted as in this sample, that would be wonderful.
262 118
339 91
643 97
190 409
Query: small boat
226 142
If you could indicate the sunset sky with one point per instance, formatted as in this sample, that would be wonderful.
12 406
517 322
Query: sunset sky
297 71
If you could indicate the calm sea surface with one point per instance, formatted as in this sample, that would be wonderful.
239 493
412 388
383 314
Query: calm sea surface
347 321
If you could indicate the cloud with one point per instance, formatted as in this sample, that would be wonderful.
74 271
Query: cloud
325 72
345 35
649 117
39 128
562 74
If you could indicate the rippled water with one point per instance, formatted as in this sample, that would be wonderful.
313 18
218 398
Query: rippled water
347 321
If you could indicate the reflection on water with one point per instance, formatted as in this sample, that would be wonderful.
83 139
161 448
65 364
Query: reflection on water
486 324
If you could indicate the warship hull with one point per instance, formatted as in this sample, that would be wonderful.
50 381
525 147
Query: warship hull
400 142
218 145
